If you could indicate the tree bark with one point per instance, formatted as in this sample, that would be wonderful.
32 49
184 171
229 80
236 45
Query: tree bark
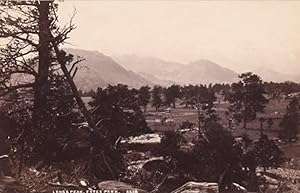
41 82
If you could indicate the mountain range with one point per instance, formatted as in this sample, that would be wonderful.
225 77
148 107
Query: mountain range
272 75
200 71
99 70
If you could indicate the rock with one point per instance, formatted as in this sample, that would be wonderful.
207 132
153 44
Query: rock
157 121
120 187
11 185
168 110
170 121
197 187
238 188
154 164
149 138
145 142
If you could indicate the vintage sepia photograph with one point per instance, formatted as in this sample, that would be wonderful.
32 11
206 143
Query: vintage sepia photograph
149 96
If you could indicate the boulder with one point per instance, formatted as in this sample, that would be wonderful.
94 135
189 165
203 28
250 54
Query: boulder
119 187
197 187
145 142
154 164
149 138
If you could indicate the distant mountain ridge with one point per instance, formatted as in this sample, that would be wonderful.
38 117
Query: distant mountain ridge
156 69
99 70
197 72
206 71
272 75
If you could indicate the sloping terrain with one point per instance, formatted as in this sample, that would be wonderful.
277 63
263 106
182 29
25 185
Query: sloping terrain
158 70
275 76
205 71
99 70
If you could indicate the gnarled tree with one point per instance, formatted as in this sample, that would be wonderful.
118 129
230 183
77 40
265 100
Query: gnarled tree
33 66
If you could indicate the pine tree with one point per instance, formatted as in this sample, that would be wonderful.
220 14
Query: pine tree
247 97
30 30
144 96
172 93
157 101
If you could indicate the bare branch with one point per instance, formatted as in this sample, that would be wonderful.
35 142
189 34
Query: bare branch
74 73
75 63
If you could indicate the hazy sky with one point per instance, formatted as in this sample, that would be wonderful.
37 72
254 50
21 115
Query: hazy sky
242 35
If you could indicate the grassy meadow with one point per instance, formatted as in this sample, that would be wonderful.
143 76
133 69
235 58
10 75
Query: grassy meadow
275 110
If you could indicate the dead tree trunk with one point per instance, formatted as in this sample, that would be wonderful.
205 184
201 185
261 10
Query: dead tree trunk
79 101
41 82
97 136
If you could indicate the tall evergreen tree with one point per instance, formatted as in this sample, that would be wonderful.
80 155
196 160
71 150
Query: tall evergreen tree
33 36
29 66
144 96
187 94
247 97
157 101
171 94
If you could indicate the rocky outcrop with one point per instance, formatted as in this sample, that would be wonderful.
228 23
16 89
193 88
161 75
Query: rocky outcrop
120 187
206 187
197 187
